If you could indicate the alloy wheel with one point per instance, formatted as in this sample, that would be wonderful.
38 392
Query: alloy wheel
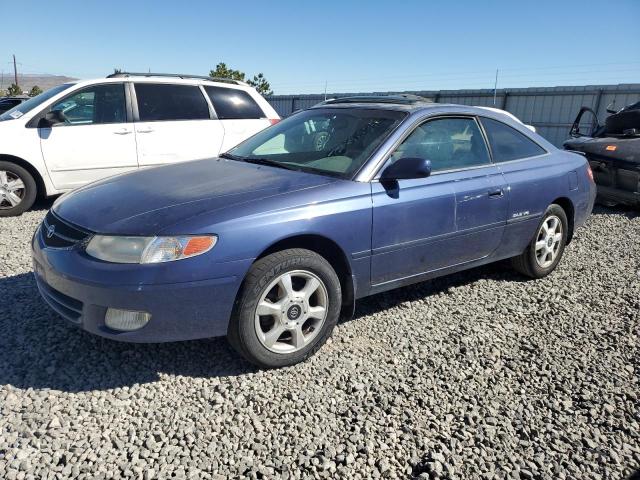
291 311
548 241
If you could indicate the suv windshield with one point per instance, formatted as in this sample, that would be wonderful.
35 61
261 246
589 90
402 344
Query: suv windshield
19 110
335 142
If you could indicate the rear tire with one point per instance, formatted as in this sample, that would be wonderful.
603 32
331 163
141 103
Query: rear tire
286 310
545 250
17 190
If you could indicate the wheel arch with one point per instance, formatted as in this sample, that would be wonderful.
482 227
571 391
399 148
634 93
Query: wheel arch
33 171
569 209
332 252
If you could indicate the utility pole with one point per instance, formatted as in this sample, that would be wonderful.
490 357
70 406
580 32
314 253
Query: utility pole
495 89
15 69
325 90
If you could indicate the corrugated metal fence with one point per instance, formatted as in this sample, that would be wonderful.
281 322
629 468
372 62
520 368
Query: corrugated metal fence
550 109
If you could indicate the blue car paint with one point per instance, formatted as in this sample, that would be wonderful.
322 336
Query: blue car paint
390 237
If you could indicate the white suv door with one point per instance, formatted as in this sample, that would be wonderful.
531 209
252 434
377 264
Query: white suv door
174 123
95 140
240 114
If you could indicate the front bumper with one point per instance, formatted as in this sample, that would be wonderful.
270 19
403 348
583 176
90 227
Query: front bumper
81 290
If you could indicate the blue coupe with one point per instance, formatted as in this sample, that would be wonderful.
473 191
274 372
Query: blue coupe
272 242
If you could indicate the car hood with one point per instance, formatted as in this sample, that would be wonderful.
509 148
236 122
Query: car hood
147 201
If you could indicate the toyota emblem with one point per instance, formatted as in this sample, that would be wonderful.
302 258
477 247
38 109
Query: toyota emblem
51 230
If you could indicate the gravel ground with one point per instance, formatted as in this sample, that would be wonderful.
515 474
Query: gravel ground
477 375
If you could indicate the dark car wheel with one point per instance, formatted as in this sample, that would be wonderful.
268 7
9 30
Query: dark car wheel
17 190
547 246
288 306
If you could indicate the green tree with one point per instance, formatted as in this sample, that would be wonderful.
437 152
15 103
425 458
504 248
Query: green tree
222 71
260 84
3 93
117 70
14 90
35 90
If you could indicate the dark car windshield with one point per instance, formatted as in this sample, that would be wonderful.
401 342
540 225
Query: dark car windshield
332 141
24 107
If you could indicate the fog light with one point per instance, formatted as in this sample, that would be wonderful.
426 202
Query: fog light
125 320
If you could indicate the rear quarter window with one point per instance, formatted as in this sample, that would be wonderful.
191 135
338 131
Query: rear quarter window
509 144
233 104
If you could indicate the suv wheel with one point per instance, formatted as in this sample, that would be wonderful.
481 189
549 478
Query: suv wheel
288 306
547 246
17 189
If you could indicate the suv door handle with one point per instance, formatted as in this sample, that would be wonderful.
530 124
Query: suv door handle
145 130
496 193
123 131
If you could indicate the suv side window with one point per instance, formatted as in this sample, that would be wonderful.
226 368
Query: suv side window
450 144
233 104
163 101
507 143
94 105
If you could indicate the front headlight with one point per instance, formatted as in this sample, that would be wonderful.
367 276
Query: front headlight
148 249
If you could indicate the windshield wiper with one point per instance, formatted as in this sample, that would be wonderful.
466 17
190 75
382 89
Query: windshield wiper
256 160
231 156
266 161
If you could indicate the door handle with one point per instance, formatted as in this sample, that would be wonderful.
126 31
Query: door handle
123 131
145 130
496 193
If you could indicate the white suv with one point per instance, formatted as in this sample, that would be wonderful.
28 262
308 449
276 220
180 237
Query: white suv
83 131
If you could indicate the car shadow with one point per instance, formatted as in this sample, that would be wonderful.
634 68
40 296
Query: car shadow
627 211
44 203
39 349
500 271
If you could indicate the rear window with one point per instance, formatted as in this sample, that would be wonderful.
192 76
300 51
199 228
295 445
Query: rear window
158 102
233 104
509 144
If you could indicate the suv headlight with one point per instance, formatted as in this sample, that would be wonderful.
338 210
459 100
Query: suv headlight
148 249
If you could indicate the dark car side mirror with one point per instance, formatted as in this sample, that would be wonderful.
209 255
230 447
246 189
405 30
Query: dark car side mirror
407 168
54 117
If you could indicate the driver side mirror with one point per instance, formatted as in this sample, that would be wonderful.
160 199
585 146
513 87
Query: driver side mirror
406 169
52 118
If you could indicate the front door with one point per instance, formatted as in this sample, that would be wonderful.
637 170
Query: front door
454 216
95 140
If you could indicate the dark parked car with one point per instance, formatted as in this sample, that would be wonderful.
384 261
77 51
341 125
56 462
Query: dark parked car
270 243
613 151
7 103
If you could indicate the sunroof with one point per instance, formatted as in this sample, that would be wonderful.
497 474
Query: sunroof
395 99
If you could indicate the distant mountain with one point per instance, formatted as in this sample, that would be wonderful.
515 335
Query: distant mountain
28 80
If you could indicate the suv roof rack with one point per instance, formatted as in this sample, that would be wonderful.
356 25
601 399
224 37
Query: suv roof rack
176 75
402 99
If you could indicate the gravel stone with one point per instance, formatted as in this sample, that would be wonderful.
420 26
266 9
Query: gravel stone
482 374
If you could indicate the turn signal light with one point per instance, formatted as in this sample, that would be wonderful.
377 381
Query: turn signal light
197 245
274 120
590 173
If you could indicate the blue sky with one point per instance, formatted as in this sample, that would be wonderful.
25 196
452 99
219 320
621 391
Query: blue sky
350 45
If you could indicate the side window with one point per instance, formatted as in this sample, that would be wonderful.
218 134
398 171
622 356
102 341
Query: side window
157 102
450 143
509 144
231 103
98 104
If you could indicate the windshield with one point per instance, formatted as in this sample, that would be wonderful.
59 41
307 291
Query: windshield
20 110
335 142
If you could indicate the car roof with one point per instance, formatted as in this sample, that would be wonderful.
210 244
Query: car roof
165 78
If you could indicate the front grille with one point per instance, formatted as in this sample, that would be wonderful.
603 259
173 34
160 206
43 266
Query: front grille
67 307
57 233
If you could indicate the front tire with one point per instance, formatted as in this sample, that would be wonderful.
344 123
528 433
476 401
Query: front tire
287 308
17 190
547 245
